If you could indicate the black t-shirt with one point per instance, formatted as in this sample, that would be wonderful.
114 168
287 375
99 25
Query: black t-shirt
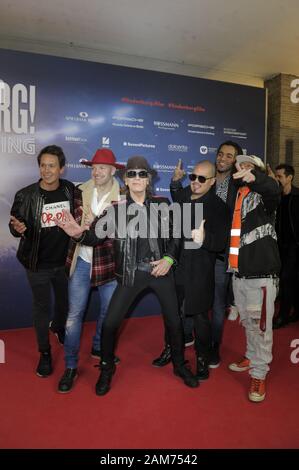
53 241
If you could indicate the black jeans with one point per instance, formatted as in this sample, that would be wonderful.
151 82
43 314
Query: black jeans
222 279
122 299
42 282
203 334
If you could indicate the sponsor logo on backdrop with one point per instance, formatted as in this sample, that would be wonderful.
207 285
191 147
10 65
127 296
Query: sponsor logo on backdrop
139 145
204 150
17 118
195 128
234 133
160 104
82 116
105 141
166 126
162 190
125 121
163 168
75 140
177 148
77 165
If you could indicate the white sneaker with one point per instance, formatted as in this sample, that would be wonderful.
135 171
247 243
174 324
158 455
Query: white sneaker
233 313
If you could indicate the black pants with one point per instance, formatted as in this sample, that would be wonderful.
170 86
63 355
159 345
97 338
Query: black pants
289 285
122 299
42 282
201 324
203 334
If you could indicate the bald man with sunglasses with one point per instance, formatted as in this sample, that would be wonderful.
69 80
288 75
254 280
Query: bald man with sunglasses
194 275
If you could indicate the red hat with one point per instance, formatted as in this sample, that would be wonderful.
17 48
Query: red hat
104 157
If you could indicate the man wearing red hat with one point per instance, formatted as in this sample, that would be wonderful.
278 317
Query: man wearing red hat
89 266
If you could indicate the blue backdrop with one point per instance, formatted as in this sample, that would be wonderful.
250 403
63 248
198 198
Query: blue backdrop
82 106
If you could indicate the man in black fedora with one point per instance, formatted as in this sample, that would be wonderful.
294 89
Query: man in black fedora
141 263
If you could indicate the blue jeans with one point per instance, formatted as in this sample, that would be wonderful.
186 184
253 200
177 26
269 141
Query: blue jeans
79 288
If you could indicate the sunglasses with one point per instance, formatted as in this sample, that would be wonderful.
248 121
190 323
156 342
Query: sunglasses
135 173
199 178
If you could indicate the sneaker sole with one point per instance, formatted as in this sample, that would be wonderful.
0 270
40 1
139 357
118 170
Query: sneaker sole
256 398
68 391
214 366
235 368
116 361
43 376
95 357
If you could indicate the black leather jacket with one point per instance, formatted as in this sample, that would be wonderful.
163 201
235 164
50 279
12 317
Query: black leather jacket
125 246
27 207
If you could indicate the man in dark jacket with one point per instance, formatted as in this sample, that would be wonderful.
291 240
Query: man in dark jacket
144 255
195 274
287 225
254 260
43 247
226 190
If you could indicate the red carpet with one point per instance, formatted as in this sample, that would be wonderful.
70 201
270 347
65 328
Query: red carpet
146 407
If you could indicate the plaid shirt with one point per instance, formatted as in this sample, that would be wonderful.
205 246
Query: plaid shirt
103 265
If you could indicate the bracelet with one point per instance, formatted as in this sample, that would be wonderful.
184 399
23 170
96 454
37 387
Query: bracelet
169 260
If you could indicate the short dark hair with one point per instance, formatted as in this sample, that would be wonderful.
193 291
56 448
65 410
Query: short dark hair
53 150
288 169
236 146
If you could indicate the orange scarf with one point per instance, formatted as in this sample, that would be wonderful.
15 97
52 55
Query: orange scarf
235 232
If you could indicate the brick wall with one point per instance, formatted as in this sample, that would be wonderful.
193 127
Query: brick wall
283 123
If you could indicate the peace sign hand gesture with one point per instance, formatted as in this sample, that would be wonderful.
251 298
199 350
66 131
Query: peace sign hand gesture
179 173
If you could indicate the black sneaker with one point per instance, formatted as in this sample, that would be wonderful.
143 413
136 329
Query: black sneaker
104 381
164 358
67 380
202 370
44 368
96 354
214 359
188 378
59 333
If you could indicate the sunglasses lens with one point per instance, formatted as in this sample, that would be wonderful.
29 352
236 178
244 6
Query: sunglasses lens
202 179
134 174
199 178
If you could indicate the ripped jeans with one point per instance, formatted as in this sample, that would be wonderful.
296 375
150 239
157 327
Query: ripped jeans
255 299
